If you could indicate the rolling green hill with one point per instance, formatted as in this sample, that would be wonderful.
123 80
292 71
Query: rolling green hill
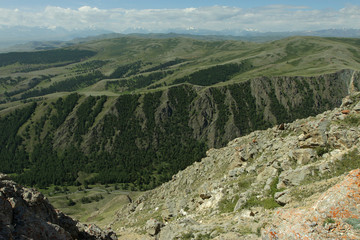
137 110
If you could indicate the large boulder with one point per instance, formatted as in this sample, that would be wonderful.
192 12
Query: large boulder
294 177
303 156
27 214
335 215
153 227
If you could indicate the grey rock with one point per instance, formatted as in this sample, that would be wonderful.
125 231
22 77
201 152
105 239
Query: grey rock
357 107
303 156
27 214
293 177
205 196
236 172
282 198
346 101
153 227
324 168
4 177
241 202
171 231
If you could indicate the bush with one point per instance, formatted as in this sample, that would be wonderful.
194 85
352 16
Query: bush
228 205
321 150
85 200
70 202
328 221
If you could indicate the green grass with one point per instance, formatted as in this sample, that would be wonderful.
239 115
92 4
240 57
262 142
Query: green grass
352 120
328 221
321 150
245 182
267 203
85 177
227 205
349 162
273 187
245 230
306 190
98 210
189 236
292 56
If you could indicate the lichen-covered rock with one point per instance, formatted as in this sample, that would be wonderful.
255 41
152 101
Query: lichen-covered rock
330 217
26 214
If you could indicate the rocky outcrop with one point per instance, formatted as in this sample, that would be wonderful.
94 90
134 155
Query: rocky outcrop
260 184
335 215
27 214
272 99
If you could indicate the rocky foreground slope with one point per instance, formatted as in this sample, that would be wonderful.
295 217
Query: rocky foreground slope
291 181
27 214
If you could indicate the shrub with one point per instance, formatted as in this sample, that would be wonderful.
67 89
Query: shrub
228 205
328 221
71 202
321 150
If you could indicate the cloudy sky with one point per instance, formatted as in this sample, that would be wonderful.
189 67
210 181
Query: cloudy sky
161 15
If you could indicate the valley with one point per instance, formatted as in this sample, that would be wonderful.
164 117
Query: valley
105 127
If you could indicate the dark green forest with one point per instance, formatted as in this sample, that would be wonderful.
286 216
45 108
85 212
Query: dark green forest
216 74
13 156
171 100
68 85
165 148
44 57
124 146
139 81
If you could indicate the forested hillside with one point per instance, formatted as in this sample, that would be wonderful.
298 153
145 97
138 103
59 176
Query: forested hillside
136 111
144 139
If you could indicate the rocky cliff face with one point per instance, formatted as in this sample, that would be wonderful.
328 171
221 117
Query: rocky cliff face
290 181
221 114
217 115
162 131
27 214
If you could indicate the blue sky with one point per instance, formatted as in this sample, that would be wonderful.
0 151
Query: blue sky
161 4
163 16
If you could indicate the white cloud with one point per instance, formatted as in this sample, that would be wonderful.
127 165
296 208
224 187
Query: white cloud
268 18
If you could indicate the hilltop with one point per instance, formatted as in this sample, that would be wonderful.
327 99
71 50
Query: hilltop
141 64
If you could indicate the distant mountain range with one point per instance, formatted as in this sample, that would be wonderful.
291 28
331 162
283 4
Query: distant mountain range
36 38
10 36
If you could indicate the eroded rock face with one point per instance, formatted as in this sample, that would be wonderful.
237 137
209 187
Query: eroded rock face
270 180
27 214
335 215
